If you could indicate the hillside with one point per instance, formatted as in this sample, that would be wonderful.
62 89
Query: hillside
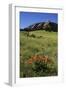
48 26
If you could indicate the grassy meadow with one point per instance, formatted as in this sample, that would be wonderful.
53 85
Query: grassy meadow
38 44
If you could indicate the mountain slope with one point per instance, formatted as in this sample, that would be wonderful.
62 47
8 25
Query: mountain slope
48 26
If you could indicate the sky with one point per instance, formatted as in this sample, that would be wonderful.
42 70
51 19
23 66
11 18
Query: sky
29 18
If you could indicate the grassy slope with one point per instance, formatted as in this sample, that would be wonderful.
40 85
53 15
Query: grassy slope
43 43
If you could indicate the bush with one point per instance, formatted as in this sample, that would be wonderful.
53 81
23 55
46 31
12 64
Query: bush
32 35
42 66
39 66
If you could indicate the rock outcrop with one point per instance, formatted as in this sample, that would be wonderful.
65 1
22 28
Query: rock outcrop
47 26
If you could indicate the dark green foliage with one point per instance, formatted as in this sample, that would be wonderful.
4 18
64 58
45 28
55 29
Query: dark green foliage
39 66
32 35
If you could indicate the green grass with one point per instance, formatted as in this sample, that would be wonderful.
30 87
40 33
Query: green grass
37 43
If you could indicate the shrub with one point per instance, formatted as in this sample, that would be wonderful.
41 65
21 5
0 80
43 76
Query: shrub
42 65
32 35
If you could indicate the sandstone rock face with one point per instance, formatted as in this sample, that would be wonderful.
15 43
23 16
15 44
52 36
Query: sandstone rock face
48 26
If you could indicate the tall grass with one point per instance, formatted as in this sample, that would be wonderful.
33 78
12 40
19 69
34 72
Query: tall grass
37 43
